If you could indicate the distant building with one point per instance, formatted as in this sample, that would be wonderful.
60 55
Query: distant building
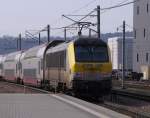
141 19
115 45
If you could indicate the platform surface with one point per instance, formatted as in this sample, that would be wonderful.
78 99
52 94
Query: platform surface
50 106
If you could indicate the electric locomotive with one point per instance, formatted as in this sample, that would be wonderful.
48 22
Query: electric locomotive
81 65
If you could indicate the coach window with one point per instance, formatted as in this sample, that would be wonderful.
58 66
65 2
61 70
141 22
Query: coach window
20 67
41 64
16 67
39 67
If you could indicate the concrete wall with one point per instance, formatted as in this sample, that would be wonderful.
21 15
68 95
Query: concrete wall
115 45
142 44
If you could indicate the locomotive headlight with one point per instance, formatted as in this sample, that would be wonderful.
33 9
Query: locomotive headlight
105 75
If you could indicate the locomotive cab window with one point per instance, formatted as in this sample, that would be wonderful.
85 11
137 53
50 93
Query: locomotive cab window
91 53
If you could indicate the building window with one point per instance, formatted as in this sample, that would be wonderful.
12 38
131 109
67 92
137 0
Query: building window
147 55
138 10
144 32
137 57
147 7
135 34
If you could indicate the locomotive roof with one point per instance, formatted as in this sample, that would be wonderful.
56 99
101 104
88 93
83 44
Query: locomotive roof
79 41
89 41
59 47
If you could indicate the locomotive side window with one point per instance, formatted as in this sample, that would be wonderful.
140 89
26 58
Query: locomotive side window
56 59
90 53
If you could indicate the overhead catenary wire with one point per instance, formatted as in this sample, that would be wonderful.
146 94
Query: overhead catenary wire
87 15
92 15
116 6
129 26
75 11
121 27
83 7
77 21
27 37
33 36
37 31
103 10
95 15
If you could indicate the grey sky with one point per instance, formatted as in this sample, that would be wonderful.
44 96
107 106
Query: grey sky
18 15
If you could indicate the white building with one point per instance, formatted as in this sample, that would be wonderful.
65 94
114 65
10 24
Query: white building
115 45
141 19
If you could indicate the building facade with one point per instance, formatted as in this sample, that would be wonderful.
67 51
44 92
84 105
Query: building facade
115 46
141 55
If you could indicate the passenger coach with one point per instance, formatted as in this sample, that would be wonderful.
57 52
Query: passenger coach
11 66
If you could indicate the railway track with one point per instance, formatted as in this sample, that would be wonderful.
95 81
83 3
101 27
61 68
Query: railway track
129 104
136 109
132 84
125 104
132 93
127 110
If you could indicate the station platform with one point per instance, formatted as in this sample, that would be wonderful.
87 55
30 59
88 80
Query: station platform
51 106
